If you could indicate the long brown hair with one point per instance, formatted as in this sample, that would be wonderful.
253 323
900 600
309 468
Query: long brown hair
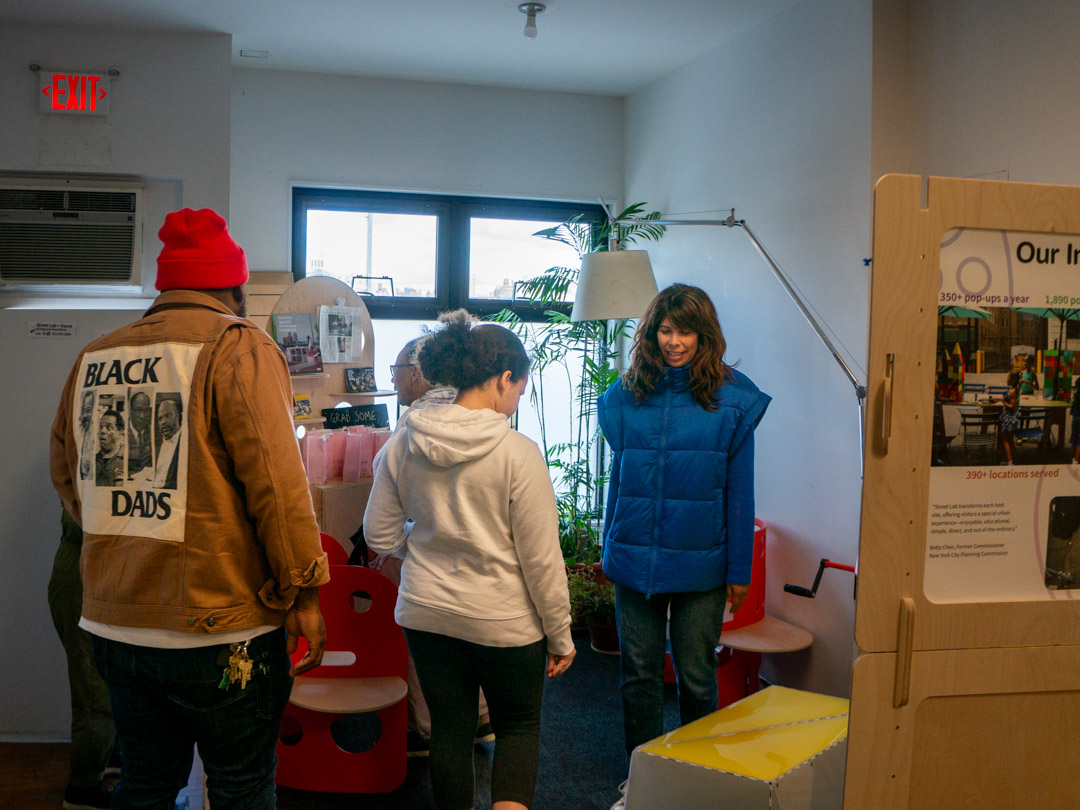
688 308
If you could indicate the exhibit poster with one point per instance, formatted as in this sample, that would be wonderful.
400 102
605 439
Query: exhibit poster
1004 501
341 336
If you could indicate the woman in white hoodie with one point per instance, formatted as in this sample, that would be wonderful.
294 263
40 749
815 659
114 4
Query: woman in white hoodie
483 596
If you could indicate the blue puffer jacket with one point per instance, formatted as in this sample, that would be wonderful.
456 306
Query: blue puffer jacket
680 512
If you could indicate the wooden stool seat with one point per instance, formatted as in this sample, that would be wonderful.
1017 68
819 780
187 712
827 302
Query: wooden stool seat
740 653
347 695
767 635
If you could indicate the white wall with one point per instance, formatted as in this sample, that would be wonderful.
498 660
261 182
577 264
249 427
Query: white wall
168 124
168 121
994 86
168 117
33 675
171 124
777 125
408 136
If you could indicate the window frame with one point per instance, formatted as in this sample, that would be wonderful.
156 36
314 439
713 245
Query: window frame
453 214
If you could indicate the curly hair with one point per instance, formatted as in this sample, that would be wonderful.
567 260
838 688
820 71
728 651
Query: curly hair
688 308
466 354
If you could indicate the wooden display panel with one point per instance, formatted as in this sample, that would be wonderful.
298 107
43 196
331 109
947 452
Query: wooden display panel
954 703
339 505
306 296
982 729
903 318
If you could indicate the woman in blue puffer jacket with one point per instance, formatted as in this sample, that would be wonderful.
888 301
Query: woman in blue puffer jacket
679 529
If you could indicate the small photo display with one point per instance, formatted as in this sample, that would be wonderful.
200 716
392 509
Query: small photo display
1062 550
360 380
301 406
297 335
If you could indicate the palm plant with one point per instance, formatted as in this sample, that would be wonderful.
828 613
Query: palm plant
587 350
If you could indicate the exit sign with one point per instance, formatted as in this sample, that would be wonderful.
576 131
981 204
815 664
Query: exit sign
74 93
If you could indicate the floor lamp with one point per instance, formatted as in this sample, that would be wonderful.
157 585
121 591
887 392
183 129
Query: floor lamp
620 284
612 285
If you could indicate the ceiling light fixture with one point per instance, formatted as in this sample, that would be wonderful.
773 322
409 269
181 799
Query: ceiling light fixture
530 10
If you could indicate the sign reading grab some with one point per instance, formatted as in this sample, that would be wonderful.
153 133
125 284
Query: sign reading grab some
74 93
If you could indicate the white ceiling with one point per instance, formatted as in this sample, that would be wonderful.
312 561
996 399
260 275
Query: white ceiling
611 47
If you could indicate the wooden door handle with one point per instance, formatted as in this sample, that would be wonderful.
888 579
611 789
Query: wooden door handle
886 405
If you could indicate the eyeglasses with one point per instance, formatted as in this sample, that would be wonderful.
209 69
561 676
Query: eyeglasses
394 369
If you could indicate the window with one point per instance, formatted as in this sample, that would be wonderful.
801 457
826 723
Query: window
415 255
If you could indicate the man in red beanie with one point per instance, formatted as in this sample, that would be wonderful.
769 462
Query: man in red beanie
195 593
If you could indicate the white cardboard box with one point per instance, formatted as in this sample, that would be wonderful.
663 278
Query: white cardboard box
779 749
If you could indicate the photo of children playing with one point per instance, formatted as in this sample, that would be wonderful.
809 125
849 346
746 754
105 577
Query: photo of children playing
1003 385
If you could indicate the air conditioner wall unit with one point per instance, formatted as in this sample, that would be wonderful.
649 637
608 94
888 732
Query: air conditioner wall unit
70 231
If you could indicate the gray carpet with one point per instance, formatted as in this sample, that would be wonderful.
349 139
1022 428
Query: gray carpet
582 759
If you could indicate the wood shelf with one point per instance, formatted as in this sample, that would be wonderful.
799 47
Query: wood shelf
347 394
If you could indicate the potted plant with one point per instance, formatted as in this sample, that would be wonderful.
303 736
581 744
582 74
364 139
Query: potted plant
579 585
586 350
592 606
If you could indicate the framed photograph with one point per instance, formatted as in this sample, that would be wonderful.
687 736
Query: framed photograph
360 380
297 335
301 407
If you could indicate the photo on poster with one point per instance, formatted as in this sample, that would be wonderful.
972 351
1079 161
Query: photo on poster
169 416
1062 547
1003 388
85 433
297 335
1004 494
301 408
140 433
341 335
360 380
109 461
128 419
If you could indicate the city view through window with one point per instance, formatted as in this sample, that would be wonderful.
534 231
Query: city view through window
403 248
395 254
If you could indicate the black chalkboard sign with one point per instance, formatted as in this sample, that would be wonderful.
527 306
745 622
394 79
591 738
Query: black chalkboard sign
374 416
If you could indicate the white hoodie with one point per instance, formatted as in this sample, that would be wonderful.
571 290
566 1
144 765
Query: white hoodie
472 502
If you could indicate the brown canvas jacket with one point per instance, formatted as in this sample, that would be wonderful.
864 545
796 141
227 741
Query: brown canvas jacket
220 534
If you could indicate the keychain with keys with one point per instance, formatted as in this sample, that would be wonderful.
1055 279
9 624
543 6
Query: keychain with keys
239 668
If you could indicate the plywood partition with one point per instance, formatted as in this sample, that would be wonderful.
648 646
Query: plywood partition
968 662
307 295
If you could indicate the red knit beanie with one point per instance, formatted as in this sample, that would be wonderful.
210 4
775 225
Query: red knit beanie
199 254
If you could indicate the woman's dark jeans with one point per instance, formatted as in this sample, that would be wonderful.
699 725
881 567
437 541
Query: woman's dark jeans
696 619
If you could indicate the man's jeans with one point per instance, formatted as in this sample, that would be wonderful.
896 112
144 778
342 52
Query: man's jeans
696 619
167 701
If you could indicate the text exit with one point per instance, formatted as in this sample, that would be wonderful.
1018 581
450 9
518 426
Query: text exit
77 93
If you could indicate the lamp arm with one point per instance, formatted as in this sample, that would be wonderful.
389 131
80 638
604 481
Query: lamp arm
731 222
860 389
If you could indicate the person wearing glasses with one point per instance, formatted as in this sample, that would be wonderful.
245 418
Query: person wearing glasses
413 389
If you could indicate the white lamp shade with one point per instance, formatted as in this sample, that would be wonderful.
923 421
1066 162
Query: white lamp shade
614 284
